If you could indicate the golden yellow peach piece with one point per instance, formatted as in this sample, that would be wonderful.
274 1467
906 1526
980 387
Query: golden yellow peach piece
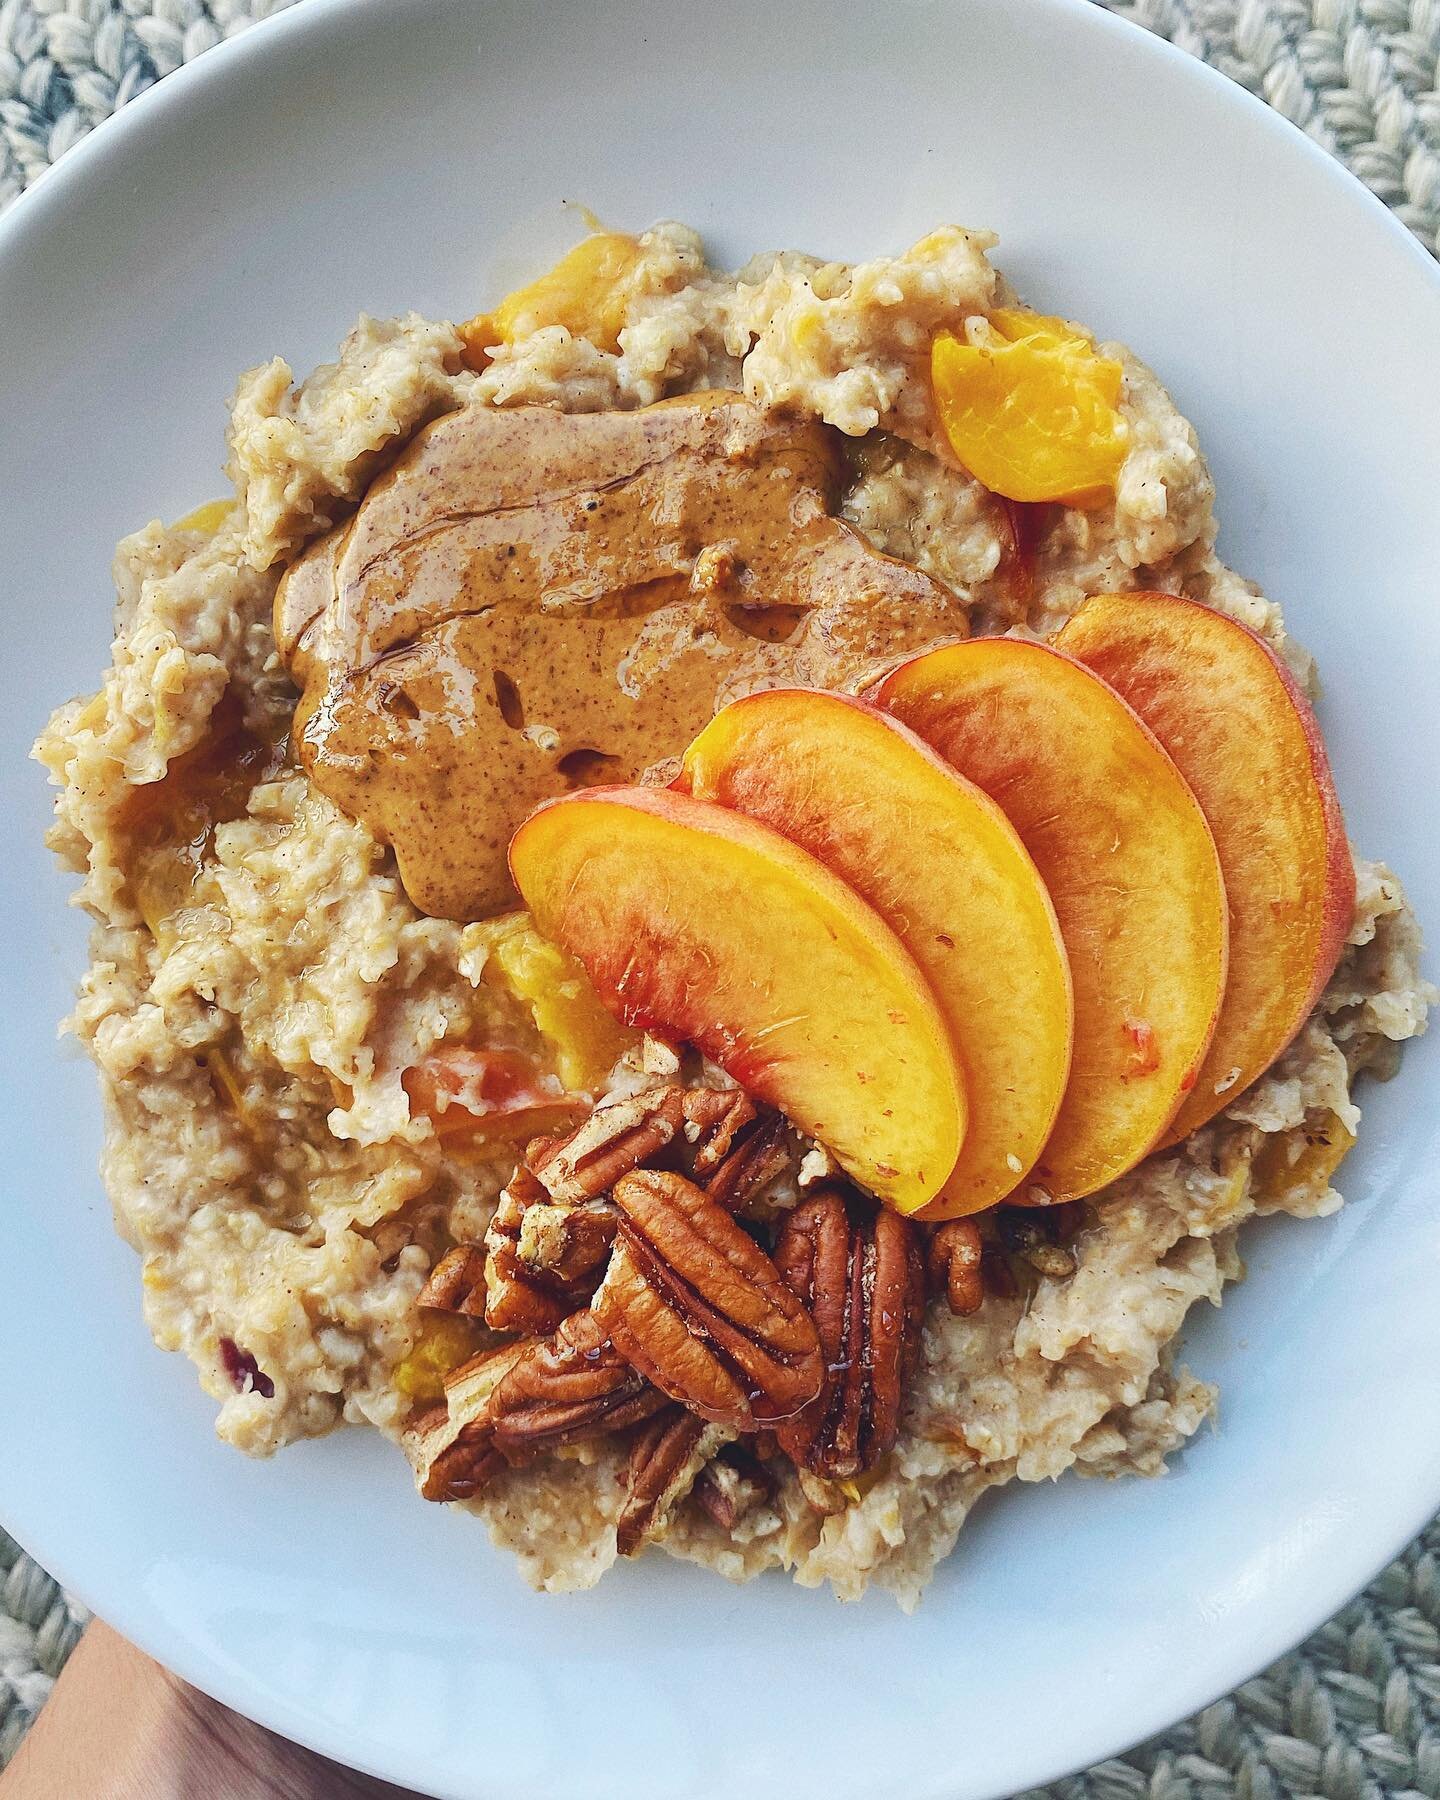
587 292
1031 408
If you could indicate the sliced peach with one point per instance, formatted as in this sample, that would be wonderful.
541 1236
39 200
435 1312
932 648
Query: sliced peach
941 864
1233 718
1131 867
709 928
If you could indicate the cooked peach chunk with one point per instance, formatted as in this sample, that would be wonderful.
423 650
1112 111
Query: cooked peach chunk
587 292
442 1342
1031 407
1292 1169
1131 868
941 864
1244 737
584 1040
207 518
709 928
470 1091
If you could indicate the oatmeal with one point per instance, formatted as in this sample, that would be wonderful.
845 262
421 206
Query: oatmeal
394 1150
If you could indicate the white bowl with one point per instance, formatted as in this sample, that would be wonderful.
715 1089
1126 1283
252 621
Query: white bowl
414 153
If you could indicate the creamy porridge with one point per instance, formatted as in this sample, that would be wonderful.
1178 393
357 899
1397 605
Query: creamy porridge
490 567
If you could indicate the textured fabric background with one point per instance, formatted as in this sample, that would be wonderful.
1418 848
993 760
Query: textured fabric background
1355 1712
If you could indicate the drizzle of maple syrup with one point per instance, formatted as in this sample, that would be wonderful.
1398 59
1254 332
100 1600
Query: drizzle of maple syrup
169 825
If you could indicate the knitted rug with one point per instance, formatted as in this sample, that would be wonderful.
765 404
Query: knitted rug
1355 1712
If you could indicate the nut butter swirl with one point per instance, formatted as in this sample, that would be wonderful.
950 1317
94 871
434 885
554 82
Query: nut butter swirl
529 601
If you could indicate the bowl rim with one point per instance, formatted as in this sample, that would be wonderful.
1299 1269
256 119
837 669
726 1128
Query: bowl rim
267 38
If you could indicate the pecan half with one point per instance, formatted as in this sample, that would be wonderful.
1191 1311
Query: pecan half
452 1447
573 1385
509 1405
954 1261
731 1485
518 1297
457 1283
699 1308
667 1454
567 1243
864 1284
761 1156
713 1117
617 1137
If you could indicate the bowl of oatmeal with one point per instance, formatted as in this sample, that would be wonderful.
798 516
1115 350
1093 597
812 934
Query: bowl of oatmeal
712 901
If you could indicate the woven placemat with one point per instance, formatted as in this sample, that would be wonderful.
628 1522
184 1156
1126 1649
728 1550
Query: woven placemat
1355 1712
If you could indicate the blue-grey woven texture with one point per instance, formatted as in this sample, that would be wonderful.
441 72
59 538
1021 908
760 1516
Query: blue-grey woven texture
1355 1712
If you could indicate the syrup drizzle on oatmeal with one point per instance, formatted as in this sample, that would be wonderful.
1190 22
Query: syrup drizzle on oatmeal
168 826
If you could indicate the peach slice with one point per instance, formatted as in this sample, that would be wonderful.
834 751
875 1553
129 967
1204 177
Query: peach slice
709 928
1233 718
941 864
1124 849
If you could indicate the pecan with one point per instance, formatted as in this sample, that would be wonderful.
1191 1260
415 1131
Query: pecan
509 1405
616 1138
864 1285
575 1384
457 1283
668 1452
551 1232
713 1117
517 1297
954 1260
731 1485
452 1446
699 1308
568 1243
762 1155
